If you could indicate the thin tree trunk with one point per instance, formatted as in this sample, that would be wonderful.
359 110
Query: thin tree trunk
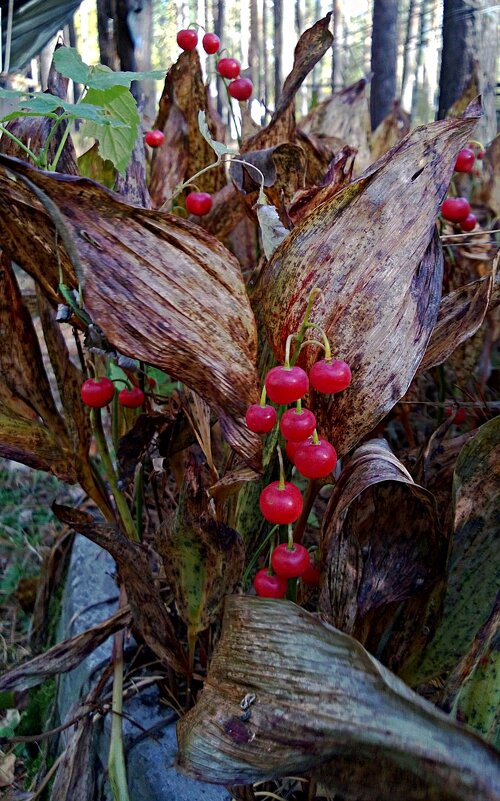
384 59
73 43
278 49
265 60
253 48
299 21
219 30
107 49
336 79
406 50
457 59
419 56
145 30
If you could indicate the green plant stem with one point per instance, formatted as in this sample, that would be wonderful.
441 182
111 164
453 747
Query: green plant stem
231 111
116 760
282 469
185 184
64 137
138 498
121 503
308 501
42 156
115 422
300 335
20 144
326 342
253 560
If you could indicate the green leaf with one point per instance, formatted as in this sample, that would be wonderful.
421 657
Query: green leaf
220 148
41 104
93 166
114 145
69 63
9 723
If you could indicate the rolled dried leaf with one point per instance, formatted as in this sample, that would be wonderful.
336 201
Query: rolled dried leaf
380 544
339 175
162 289
373 251
322 703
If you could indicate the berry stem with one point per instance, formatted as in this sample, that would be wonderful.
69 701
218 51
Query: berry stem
20 144
476 142
254 559
452 189
326 342
315 436
263 396
290 537
282 469
231 111
298 406
288 346
247 164
303 328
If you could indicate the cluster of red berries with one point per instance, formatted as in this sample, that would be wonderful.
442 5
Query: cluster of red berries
98 392
200 203
313 456
457 209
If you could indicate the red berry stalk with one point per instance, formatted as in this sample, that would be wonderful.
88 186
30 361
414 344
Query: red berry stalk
281 502
261 417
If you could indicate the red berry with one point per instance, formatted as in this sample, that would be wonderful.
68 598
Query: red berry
469 223
281 505
154 138
187 39
312 575
330 376
260 419
480 155
297 426
315 459
459 417
291 447
455 209
240 89
97 392
290 563
211 43
131 398
269 586
286 385
199 203
228 68
465 160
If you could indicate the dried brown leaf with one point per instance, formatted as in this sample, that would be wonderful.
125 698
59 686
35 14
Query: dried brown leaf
379 541
184 151
390 131
339 175
175 288
373 251
323 705
489 188
64 656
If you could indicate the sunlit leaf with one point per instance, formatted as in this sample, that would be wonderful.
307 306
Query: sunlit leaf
69 63
115 144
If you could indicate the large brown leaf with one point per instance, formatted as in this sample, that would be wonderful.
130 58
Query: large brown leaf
323 704
162 289
373 251
184 151
379 543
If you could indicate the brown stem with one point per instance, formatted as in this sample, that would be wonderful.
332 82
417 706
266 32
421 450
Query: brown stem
309 498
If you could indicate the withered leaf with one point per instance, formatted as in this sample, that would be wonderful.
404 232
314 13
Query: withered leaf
373 251
460 315
134 444
148 611
338 176
185 151
64 656
379 540
160 288
283 169
323 704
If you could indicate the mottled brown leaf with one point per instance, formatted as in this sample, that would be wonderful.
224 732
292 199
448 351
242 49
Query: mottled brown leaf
323 705
392 128
489 188
283 168
64 656
161 289
379 541
460 315
148 611
339 175
184 150
373 251
343 119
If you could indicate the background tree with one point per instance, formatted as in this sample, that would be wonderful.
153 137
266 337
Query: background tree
384 56
278 48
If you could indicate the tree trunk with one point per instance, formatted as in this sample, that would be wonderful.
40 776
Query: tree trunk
419 57
265 61
336 79
299 22
406 50
219 30
107 49
278 49
143 55
253 48
384 58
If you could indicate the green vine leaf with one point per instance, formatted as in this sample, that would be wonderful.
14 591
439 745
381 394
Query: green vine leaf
69 63
41 104
114 145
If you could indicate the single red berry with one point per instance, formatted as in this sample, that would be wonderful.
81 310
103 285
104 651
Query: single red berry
286 384
131 398
154 138
315 459
281 505
297 425
240 89
290 562
260 419
469 223
465 160
330 376
455 209
228 68
268 586
312 575
199 203
290 449
211 43
187 39
459 417
97 392
480 155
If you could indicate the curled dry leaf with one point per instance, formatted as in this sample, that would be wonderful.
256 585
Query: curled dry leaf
472 578
373 251
64 656
379 544
339 175
282 166
160 287
343 119
460 315
185 150
323 705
